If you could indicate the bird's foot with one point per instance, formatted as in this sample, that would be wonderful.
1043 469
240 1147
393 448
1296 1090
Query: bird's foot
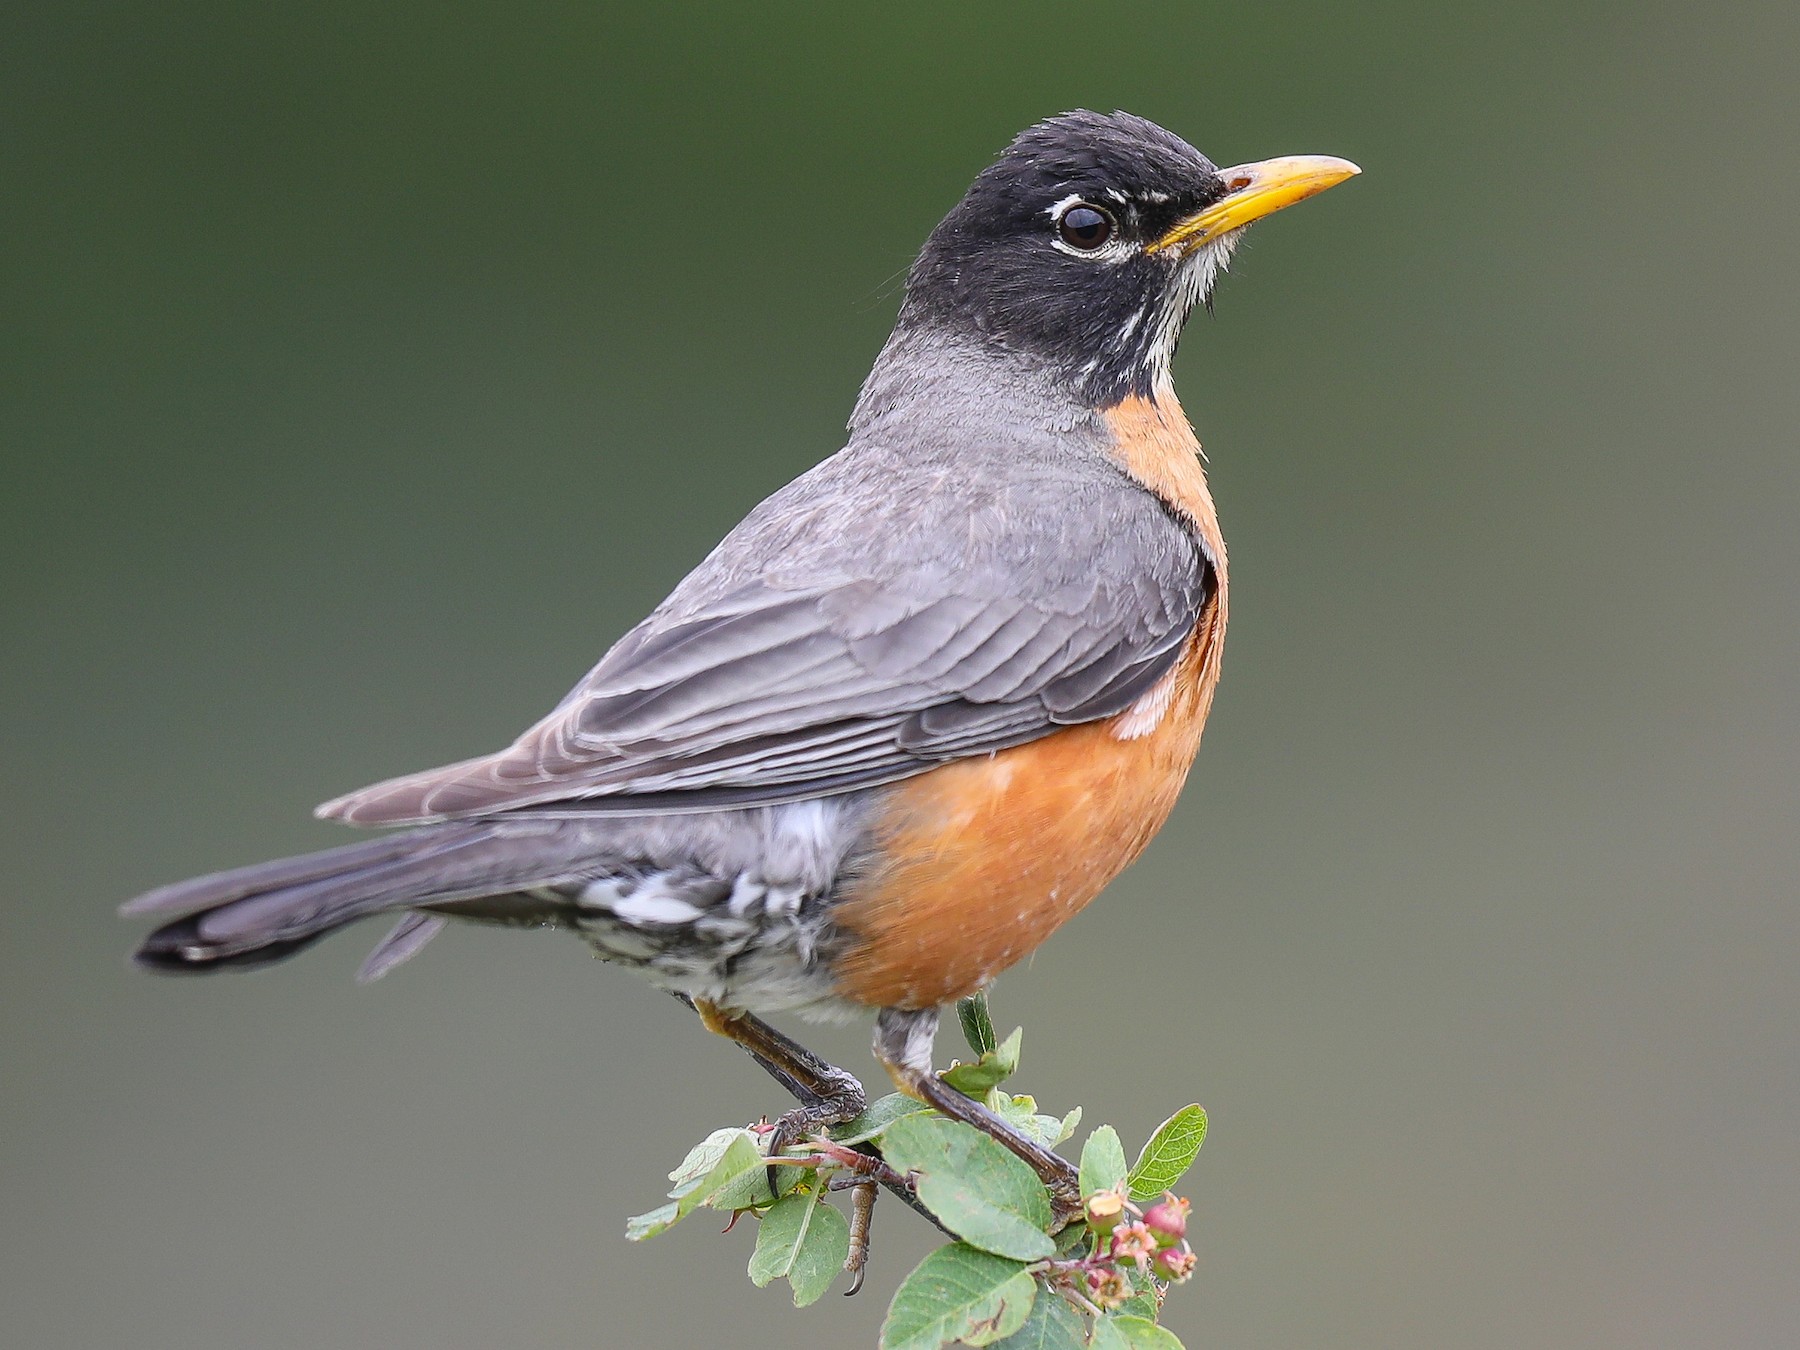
827 1094
810 1120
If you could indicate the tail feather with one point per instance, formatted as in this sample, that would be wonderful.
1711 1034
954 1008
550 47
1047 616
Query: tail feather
178 949
414 930
264 913
217 888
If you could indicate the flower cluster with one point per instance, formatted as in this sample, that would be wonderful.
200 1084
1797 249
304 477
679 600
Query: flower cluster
1150 1241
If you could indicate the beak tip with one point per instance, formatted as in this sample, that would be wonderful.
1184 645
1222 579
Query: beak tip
1330 168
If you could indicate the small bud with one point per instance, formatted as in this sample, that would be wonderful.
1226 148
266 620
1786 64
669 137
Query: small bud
1167 1218
1175 1263
1133 1242
1108 1288
1104 1210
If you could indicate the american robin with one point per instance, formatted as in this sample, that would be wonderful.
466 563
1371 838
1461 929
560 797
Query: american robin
917 709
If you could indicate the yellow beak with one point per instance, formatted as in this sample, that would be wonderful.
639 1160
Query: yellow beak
1255 191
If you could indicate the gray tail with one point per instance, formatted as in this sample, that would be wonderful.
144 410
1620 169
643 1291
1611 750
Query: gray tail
254 916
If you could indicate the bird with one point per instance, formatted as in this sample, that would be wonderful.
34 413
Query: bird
916 710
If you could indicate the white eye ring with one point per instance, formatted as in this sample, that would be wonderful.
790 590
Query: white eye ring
1085 227
1111 247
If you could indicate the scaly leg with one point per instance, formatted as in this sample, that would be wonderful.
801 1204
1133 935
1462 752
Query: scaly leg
862 1216
903 1041
827 1094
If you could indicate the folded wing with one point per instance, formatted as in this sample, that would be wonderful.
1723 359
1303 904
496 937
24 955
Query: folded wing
816 651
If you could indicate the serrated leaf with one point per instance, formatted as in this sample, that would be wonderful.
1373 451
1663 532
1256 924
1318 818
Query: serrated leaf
780 1236
1139 1305
737 1178
803 1240
1102 1161
1144 1303
1169 1153
1051 1325
659 1220
1132 1333
988 1072
702 1158
958 1295
725 1169
821 1255
983 1193
876 1117
977 1025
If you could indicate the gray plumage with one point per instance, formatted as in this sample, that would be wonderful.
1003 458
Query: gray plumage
729 906
973 571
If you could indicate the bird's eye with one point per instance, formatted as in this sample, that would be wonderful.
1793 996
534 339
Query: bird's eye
1084 227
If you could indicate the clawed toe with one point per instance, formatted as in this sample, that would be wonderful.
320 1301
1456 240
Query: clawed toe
797 1126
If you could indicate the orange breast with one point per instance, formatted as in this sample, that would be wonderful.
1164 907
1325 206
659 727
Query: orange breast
980 860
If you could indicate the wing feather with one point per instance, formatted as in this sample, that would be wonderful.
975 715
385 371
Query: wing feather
795 664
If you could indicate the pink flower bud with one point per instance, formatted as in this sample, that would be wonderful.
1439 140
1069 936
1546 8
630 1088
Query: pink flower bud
1167 1218
1175 1263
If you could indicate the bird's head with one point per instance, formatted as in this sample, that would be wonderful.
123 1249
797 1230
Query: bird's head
1088 242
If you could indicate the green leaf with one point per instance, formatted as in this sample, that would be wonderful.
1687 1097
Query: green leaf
1102 1161
1145 1302
725 1170
659 1220
780 1236
702 1158
821 1256
1066 1127
876 1117
977 1026
1132 1333
1022 1114
804 1240
983 1193
1169 1153
1052 1325
1140 1305
1073 1240
991 1070
957 1294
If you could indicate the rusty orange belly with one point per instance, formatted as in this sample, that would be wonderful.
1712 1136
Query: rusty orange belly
979 861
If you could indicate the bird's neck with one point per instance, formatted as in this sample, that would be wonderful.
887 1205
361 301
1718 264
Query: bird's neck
937 374
937 385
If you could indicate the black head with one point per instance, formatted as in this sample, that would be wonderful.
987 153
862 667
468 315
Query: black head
1088 242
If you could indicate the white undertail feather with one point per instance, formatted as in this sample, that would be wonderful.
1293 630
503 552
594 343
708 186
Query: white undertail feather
1144 716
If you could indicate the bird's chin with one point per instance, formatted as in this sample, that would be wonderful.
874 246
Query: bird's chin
1192 284
1201 268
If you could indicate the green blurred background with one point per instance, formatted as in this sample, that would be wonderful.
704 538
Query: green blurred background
369 368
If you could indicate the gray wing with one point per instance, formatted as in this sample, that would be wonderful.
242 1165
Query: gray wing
875 618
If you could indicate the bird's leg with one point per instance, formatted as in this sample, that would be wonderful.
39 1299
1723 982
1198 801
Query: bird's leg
827 1094
903 1041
